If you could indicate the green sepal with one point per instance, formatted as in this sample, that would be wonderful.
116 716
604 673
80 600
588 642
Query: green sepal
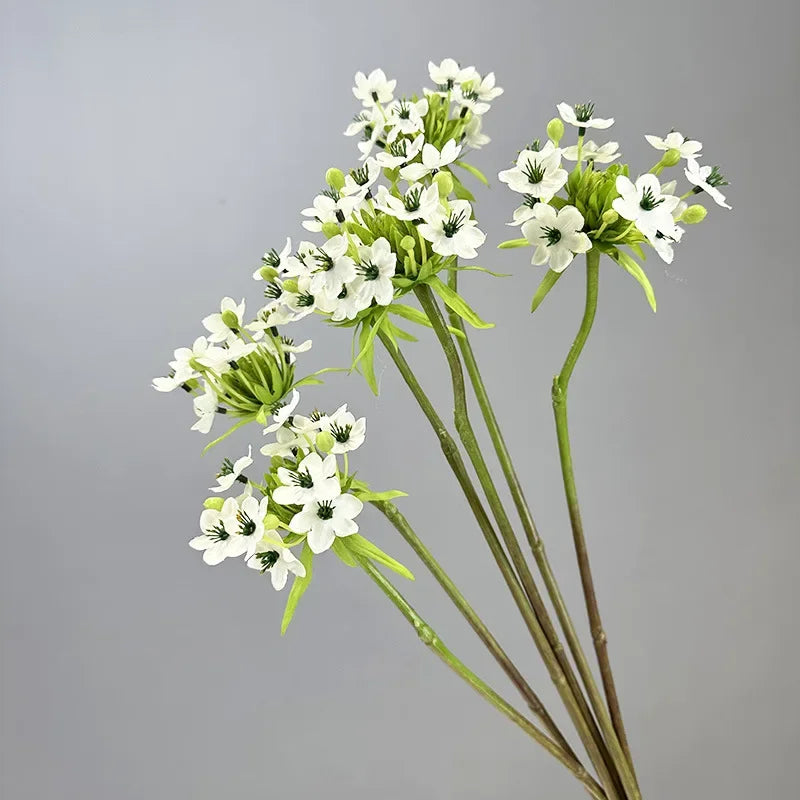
415 315
298 589
456 303
548 282
633 268
340 550
214 503
363 548
509 244
474 171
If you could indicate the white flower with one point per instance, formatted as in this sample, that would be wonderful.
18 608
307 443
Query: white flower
372 136
168 383
456 234
236 349
405 116
248 521
467 99
524 212
432 160
376 268
417 202
324 520
220 538
205 407
485 89
581 116
347 431
674 140
184 363
602 154
449 74
369 118
400 152
663 242
556 235
344 305
230 472
274 259
472 134
335 267
358 182
283 412
223 325
314 480
644 204
302 302
707 179
279 561
373 88
331 206
537 173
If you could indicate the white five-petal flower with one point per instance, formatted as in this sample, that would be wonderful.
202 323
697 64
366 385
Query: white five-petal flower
323 520
418 202
336 268
374 88
454 233
581 116
601 154
220 538
348 432
537 173
314 480
674 140
272 259
279 561
644 204
374 273
432 160
556 235
205 409
223 324
707 179
230 472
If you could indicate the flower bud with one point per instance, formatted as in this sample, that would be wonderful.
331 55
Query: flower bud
230 319
268 273
671 157
407 243
610 217
214 503
694 214
325 441
330 229
335 178
271 522
555 130
290 285
445 183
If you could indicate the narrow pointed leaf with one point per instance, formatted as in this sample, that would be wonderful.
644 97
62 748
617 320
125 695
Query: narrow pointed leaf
474 171
633 268
362 547
298 589
548 282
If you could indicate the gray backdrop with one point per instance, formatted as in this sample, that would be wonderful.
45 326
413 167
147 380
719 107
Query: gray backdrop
150 153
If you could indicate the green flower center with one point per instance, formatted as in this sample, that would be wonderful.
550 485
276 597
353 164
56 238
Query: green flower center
268 559
341 433
217 533
302 479
552 235
453 224
325 510
648 201
534 172
411 199
369 271
584 111
246 525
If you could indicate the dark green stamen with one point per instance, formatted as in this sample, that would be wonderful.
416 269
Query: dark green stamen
325 510
453 224
553 236
648 201
534 171
341 433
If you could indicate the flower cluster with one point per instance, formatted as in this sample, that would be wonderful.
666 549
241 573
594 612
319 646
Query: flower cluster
602 207
397 219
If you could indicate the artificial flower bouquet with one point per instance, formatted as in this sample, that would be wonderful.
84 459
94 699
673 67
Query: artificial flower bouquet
397 228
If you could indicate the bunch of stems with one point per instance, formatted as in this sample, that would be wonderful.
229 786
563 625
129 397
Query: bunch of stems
594 713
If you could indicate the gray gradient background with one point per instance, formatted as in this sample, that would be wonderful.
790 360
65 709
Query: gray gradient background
150 153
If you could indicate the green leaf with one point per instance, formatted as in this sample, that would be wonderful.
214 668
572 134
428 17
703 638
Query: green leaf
340 549
415 315
367 496
511 243
474 268
548 282
461 191
633 268
298 588
227 433
362 547
455 302
474 171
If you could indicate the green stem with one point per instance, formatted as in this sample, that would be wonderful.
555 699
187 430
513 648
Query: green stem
544 634
532 534
560 386
391 512
428 637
